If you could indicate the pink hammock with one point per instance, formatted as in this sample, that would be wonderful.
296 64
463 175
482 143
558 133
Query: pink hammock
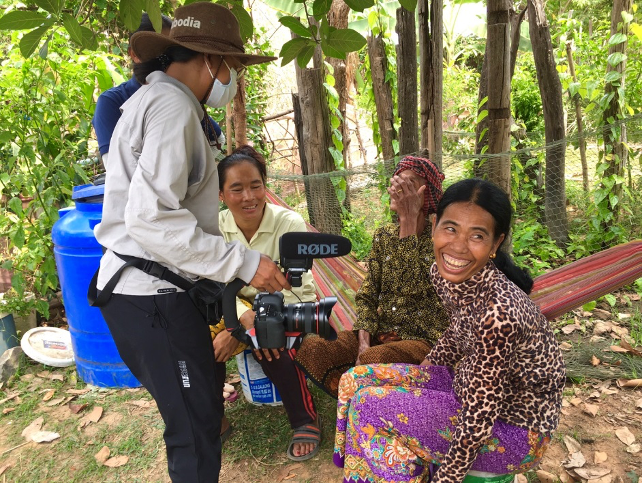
555 292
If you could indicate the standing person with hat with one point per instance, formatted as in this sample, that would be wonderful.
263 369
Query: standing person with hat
399 315
161 205
108 105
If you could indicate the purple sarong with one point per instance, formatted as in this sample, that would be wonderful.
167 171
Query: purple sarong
394 420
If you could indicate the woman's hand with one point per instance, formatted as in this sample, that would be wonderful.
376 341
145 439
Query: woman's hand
408 203
425 362
364 342
268 353
224 345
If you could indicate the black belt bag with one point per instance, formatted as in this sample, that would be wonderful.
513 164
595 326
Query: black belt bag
206 294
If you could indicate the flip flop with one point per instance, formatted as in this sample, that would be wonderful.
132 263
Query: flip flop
232 397
307 433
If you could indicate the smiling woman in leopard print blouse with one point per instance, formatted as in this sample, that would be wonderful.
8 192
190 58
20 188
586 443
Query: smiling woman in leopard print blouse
489 393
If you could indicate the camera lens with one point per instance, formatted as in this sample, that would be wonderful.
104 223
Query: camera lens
311 318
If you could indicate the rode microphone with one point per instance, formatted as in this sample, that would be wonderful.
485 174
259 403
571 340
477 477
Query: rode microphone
298 249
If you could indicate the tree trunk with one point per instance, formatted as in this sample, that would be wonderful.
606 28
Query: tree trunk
552 100
482 127
431 78
382 94
323 206
407 89
499 103
239 118
338 18
579 119
615 142
229 132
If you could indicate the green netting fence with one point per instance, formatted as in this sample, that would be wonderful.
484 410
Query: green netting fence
356 197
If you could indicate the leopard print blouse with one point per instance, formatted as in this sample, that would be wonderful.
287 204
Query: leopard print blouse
507 362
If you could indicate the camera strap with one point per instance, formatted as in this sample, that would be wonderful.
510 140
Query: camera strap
148 266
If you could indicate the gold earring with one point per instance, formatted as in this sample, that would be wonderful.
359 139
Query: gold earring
492 256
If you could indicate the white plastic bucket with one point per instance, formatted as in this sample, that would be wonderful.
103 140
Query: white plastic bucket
257 388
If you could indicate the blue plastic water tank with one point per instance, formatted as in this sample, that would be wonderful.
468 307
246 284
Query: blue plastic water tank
77 256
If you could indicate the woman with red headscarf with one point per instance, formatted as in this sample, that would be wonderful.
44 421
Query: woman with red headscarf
399 316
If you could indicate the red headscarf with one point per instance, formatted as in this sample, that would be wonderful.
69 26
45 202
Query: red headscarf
429 171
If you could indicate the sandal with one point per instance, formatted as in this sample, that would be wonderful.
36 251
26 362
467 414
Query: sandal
226 434
307 433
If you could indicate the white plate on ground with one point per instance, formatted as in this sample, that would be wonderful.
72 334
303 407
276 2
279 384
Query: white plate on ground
48 345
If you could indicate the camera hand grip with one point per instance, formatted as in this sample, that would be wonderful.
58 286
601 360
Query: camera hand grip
230 311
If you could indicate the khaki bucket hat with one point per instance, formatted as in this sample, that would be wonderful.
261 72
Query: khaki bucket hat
202 27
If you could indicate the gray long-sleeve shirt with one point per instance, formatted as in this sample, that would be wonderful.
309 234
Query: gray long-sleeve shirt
162 194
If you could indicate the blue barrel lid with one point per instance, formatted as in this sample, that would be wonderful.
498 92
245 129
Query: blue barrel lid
88 193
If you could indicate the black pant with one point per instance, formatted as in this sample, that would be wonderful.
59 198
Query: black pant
290 381
165 342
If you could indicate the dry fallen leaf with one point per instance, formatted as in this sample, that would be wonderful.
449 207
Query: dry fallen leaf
629 382
102 455
34 427
618 348
95 414
592 473
599 457
57 377
601 328
8 410
520 478
595 361
76 408
568 329
9 397
572 445
234 379
591 409
116 461
625 345
4 468
565 478
634 448
565 346
575 401
50 393
142 403
44 436
595 395
608 391
545 477
575 460
43 374
566 403
625 435
78 391
55 402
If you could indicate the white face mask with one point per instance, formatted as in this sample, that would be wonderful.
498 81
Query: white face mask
221 94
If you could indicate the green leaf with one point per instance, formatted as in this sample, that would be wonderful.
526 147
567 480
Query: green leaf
21 20
409 4
90 42
617 39
73 28
482 115
30 41
15 205
52 6
131 12
296 26
291 49
346 40
611 299
616 58
305 55
153 9
612 76
245 21
626 16
321 8
359 5
44 49
329 50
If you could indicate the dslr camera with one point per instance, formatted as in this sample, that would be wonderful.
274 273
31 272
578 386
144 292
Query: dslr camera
274 320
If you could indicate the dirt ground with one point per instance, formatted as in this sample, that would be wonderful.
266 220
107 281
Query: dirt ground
598 440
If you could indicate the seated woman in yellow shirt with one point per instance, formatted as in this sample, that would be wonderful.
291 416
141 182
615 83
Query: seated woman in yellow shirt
258 225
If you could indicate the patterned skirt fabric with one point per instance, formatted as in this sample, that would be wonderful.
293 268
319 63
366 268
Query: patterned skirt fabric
325 361
395 420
